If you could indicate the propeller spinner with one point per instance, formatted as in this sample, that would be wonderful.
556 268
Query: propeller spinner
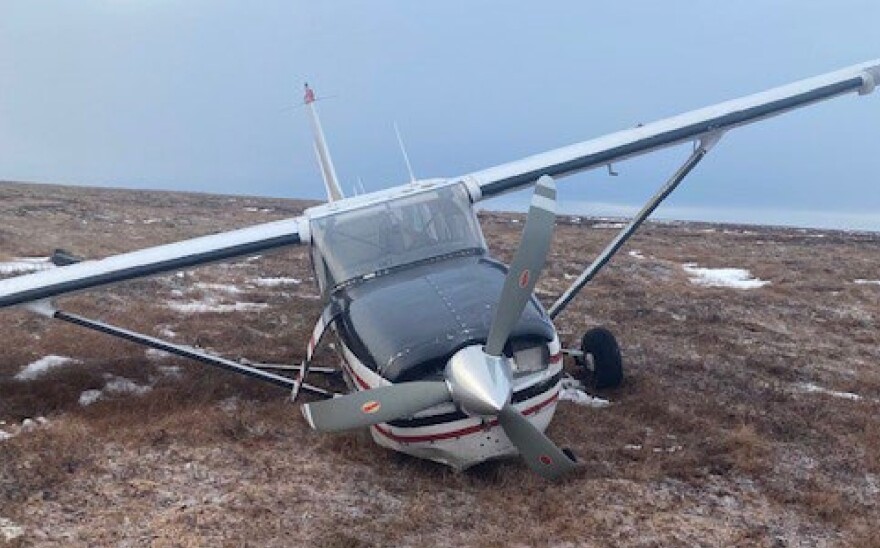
478 379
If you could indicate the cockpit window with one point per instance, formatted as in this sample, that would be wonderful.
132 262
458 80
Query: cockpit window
406 230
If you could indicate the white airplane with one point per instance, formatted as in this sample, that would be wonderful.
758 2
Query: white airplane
447 353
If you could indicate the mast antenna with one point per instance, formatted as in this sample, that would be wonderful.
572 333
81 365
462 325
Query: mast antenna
412 176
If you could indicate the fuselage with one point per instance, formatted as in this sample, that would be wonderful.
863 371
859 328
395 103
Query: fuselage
409 282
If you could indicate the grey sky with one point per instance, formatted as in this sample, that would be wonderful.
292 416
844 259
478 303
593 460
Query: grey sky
202 94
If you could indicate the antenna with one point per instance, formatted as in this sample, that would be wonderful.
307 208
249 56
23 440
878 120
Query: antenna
412 176
361 185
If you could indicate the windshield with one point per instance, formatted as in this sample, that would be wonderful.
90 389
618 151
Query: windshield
398 232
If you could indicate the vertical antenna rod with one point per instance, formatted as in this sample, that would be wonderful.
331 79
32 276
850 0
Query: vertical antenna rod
328 172
412 176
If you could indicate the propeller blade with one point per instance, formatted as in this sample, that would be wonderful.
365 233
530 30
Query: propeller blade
526 266
541 454
374 406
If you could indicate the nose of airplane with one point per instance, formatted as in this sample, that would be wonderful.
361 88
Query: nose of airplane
481 384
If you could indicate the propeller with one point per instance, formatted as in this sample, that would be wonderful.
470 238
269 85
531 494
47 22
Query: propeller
479 380
374 406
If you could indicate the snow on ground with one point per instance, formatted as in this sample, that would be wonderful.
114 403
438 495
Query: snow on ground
810 388
27 425
225 288
636 254
115 386
735 278
9 530
275 282
210 305
173 371
573 391
156 354
22 265
89 397
41 366
867 282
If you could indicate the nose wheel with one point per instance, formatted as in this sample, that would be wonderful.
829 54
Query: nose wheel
600 358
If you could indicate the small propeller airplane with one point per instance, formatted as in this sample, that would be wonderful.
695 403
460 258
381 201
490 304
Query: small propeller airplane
448 355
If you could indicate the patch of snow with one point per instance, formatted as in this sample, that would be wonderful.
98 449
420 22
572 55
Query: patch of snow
21 265
636 254
116 386
167 332
275 282
173 371
27 425
670 449
226 288
609 225
121 385
573 391
198 307
867 282
514 221
156 354
9 530
229 405
252 209
41 366
632 447
810 388
152 221
735 278
89 397
873 485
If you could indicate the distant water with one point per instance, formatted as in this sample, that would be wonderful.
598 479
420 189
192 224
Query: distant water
829 220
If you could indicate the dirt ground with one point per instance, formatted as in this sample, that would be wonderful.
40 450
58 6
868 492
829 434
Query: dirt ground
747 417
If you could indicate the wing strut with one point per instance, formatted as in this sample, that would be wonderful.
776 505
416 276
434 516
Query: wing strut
46 309
705 145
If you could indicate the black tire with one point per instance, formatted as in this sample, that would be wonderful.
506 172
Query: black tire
607 363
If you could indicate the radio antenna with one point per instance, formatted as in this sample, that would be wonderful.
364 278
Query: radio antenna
412 176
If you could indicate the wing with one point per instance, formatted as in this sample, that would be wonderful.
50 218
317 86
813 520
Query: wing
153 260
672 131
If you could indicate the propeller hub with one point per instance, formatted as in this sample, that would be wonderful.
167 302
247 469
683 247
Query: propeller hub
480 384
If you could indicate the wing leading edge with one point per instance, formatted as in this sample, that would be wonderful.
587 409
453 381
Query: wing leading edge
150 261
683 128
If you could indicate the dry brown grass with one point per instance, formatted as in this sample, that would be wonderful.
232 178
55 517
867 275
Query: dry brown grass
730 451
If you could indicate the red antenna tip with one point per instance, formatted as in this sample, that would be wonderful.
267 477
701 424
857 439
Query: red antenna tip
310 95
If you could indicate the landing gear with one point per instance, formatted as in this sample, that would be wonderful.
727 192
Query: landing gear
600 357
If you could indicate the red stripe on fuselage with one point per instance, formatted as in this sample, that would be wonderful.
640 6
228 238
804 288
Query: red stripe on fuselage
461 432
443 435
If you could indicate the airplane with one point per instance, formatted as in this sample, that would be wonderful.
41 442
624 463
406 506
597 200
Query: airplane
447 353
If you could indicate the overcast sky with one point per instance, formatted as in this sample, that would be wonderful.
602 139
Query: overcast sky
202 95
